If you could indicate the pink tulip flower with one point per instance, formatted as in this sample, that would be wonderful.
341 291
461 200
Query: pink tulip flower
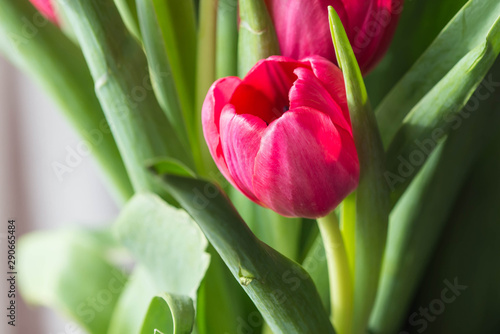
303 29
283 136
46 8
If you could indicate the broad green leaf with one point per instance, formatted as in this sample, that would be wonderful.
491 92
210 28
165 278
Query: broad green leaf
418 219
281 233
131 308
119 68
168 76
372 194
227 39
468 30
444 103
166 241
68 271
467 258
222 306
169 314
41 50
171 166
411 39
281 289
257 37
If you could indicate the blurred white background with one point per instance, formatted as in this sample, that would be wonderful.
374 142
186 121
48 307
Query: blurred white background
33 135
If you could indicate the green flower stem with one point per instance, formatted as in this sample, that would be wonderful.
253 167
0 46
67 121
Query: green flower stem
316 265
348 228
205 77
41 49
227 39
372 195
257 38
341 290
119 68
157 34
128 11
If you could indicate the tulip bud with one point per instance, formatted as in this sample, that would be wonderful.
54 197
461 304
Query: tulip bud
302 27
46 8
283 136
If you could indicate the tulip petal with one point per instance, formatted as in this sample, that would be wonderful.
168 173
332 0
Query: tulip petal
273 77
218 96
305 165
260 105
46 8
308 91
332 79
377 29
303 29
240 138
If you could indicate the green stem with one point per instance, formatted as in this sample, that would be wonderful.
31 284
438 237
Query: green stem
227 39
205 76
257 39
119 68
372 195
341 290
348 228
41 50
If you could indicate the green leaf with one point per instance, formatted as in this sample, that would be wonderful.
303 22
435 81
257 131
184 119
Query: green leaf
469 30
177 22
257 38
170 166
410 40
68 271
131 308
316 265
281 233
128 12
172 76
169 314
467 255
166 241
41 50
119 68
372 194
438 110
281 289
222 305
419 217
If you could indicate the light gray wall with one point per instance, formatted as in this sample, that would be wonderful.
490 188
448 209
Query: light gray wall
34 135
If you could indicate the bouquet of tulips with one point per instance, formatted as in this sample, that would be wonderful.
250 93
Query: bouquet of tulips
283 166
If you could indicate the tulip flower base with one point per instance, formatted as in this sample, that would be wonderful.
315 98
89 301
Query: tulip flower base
259 191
